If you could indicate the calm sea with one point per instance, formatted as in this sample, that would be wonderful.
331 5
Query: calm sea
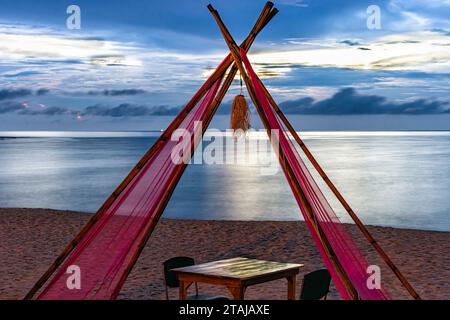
398 179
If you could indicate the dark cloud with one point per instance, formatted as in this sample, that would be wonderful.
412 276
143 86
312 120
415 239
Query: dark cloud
123 110
7 94
442 31
50 111
165 111
350 42
293 106
10 106
128 110
123 92
22 74
14 93
345 102
348 101
42 92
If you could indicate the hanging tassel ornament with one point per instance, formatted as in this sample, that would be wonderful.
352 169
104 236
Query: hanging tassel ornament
240 114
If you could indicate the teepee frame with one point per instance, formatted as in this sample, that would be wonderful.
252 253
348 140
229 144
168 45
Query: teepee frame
235 60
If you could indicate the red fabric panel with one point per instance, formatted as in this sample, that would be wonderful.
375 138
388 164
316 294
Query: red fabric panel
349 256
109 247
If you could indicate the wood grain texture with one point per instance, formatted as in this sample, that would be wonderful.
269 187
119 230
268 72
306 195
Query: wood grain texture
237 274
238 268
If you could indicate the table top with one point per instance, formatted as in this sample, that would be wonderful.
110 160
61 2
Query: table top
238 268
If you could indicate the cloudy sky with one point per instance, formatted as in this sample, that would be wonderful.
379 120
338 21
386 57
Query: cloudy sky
133 64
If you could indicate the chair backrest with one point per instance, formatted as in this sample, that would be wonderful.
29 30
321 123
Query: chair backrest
176 262
316 285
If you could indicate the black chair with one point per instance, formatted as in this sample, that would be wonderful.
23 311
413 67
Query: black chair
316 285
171 280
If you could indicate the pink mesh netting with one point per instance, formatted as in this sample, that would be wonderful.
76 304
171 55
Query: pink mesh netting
347 253
109 248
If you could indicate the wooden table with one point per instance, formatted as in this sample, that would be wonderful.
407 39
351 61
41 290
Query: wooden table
237 274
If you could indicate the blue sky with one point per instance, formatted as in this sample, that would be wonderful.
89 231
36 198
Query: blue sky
133 62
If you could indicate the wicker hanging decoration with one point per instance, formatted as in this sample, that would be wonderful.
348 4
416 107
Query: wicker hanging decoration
240 113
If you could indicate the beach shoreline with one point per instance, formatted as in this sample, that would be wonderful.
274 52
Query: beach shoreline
30 239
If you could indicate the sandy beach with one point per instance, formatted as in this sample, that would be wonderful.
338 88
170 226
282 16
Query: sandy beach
30 239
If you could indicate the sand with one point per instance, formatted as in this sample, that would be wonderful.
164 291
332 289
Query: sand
30 239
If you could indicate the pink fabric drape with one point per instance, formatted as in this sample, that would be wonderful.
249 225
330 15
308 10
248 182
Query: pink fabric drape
109 247
349 256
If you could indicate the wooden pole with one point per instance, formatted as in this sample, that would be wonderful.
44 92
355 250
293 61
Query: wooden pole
341 199
236 55
266 15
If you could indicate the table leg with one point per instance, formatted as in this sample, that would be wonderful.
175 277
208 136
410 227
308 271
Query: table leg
237 292
184 285
291 287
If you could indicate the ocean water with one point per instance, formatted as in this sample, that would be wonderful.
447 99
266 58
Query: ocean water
397 179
